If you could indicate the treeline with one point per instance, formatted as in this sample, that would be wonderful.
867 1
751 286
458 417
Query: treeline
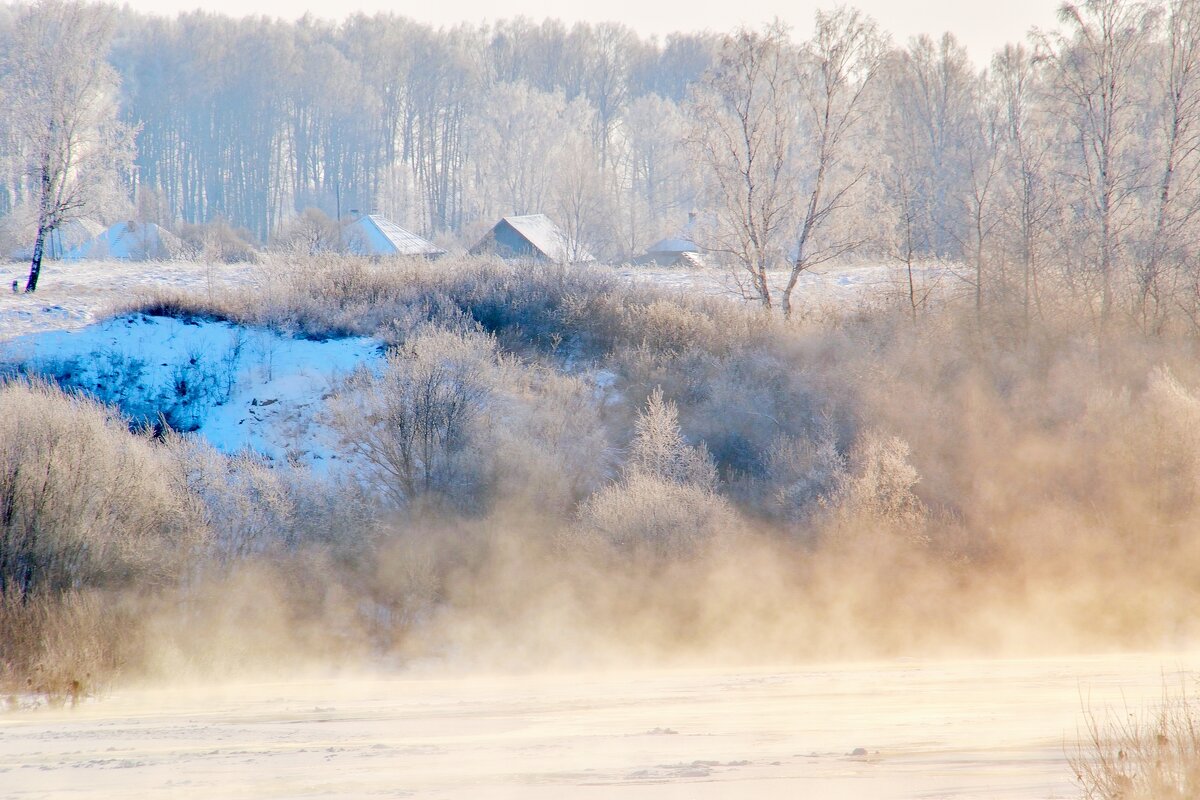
253 120
1076 151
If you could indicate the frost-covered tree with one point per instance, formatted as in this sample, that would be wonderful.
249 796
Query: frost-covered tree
744 133
838 68
666 500
1176 142
659 449
1096 68
414 425
61 95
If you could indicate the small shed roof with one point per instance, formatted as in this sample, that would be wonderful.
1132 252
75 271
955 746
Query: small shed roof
373 235
673 246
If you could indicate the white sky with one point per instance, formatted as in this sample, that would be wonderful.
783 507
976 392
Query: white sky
982 25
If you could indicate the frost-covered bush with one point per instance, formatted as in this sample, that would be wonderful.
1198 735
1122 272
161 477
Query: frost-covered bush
249 506
418 423
82 501
876 487
670 326
547 439
645 514
666 501
1162 431
806 471
659 450
217 241
310 233
243 504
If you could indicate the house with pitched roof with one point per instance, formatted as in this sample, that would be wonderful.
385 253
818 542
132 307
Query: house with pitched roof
373 235
128 241
531 237
679 250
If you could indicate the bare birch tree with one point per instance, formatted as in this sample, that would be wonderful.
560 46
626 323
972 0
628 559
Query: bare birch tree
984 162
839 65
1095 67
61 94
1029 197
744 132
1177 192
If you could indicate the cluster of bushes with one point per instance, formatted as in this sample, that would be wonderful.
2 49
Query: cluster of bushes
557 464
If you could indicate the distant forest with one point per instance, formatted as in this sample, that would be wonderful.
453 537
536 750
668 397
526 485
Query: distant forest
1079 147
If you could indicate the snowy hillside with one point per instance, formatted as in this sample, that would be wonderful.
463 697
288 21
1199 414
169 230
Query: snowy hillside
251 388
238 387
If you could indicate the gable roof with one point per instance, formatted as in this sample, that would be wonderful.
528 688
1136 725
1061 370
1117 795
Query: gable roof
673 246
684 240
544 237
373 235
66 236
133 241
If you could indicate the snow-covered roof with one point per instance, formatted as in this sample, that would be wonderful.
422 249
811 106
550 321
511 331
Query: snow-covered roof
673 246
373 235
127 240
541 232
66 236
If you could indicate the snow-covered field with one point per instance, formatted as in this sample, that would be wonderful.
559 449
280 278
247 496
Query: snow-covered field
840 286
991 730
72 295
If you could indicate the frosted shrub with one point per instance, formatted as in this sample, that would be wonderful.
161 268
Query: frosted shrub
547 435
659 450
645 513
311 233
666 500
82 502
671 326
807 472
243 503
877 486
1167 437
415 425
217 241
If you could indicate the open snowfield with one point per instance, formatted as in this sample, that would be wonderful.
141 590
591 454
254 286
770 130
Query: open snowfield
72 295
841 286
986 730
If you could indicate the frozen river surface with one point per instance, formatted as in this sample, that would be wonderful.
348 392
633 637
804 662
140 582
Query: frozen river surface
966 729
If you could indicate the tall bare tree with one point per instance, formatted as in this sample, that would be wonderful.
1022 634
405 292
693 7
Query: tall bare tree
838 67
1176 204
983 154
61 95
1096 62
1028 197
744 132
